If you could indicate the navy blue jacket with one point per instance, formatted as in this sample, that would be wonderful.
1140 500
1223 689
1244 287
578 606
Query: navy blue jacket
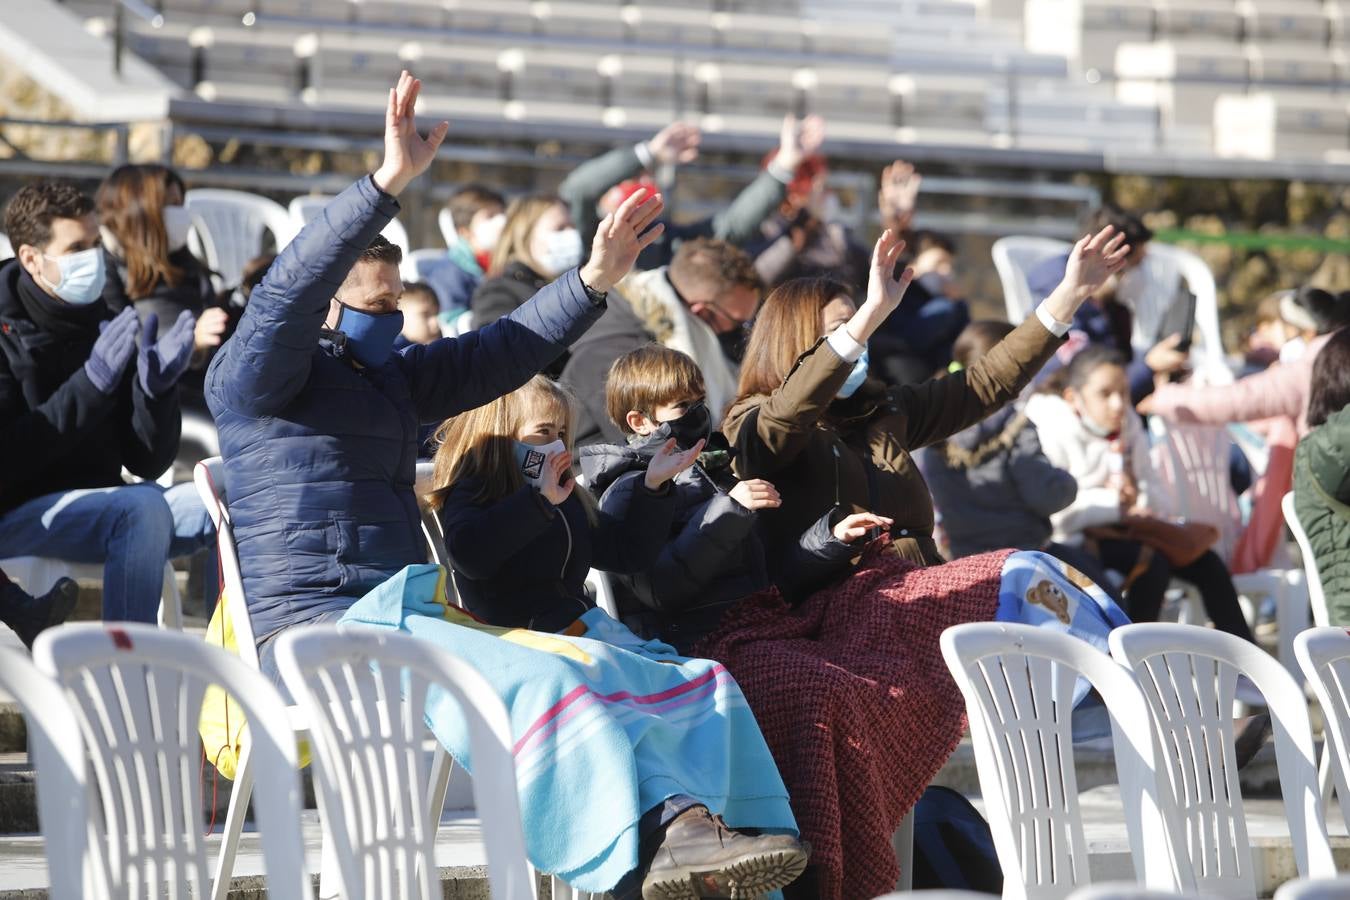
521 562
320 454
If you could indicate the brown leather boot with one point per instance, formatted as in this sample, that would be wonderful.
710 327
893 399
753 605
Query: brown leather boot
701 857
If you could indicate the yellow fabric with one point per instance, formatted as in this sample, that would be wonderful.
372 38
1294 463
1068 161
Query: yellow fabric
222 723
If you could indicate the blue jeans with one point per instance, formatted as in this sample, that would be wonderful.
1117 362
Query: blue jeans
132 529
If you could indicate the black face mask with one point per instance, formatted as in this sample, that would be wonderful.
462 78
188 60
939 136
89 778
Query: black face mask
733 342
694 426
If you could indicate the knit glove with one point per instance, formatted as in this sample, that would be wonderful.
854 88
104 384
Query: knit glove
160 365
112 351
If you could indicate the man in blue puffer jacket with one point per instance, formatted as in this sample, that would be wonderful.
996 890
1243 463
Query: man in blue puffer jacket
319 418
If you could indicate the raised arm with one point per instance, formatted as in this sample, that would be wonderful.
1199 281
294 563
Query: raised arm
742 221
266 363
1281 390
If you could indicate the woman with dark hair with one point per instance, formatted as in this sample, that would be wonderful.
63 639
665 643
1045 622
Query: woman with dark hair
1322 474
145 229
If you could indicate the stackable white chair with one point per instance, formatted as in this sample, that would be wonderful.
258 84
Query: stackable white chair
1315 889
56 749
446 223
1120 891
1317 598
1199 279
6 248
1189 677
1016 256
1324 655
1018 683
38 573
228 228
365 694
306 208
137 692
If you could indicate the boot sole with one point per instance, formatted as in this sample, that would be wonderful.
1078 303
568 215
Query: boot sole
750 876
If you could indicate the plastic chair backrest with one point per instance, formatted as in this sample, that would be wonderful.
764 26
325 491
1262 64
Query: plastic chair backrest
1014 257
446 222
229 227
365 693
1190 478
1324 656
136 692
1314 889
209 477
56 749
6 248
305 208
1200 279
1317 598
1189 677
1018 683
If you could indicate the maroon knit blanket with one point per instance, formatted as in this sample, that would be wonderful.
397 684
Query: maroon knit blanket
855 701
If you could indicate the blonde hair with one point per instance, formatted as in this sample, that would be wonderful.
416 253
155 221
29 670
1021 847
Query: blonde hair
514 244
480 443
648 377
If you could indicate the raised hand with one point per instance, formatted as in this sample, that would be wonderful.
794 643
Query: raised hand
622 235
556 481
1094 259
884 289
756 494
798 139
855 527
669 462
406 153
898 194
677 143
160 364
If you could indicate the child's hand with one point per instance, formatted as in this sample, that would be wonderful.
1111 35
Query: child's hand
756 494
622 235
854 527
557 482
669 462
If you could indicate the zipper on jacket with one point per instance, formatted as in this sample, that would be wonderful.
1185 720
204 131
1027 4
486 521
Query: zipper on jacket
567 557
835 449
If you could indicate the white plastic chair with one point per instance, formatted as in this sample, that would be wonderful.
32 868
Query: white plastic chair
1324 656
365 693
1315 889
1120 891
136 692
1189 677
304 209
446 222
1200 280
1018 683
228 228
1014 257
6 248
38 573
56 749
1317 598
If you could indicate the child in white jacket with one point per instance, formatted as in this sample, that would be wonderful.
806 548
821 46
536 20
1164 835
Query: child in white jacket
1091 431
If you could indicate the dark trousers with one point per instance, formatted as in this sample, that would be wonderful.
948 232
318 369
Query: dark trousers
1208 574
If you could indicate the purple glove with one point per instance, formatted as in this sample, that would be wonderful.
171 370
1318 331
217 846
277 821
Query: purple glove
160 365
112 351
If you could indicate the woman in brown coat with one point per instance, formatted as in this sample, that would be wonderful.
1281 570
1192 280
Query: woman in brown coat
848 685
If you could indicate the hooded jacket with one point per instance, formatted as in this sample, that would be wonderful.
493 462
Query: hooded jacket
823 453
711 557
994 487
1322 503
57 431
320 453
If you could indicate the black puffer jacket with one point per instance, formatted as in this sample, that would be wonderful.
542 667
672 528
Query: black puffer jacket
714 556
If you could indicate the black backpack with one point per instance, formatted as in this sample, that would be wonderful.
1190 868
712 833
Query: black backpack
953 847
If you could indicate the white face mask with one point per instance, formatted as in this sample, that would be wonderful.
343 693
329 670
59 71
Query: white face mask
485 233
177 224
531 458
561 251
82 276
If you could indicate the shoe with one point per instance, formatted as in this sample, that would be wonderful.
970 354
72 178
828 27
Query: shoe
700 856
29 615
1249 737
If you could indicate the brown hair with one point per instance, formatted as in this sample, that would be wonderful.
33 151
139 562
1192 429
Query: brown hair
131 204
715 266
29 214
977 339
1330 389
648 377
787 326
480 443
521 217
465 203
381 250
418 291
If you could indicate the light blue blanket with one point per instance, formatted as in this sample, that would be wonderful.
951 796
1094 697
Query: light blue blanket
606 727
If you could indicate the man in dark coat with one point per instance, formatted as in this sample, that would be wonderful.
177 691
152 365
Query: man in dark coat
84 395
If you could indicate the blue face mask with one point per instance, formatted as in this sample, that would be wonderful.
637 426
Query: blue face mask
82 276
855 378
370 337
